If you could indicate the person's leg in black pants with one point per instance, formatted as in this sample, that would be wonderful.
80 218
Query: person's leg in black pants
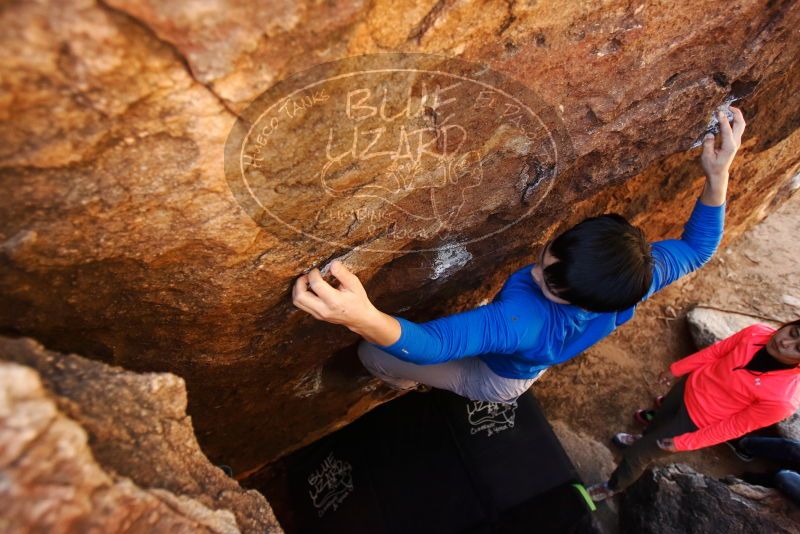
782 450
789 483
671 420
669 407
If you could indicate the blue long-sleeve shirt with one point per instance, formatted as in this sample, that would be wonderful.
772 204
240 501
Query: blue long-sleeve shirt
522 332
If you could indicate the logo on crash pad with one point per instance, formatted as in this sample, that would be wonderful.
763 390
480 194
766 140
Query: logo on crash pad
391 152
330 484
490 417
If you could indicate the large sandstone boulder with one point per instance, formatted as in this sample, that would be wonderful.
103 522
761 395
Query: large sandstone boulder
51 482
87 446
709 325
675 500
122 239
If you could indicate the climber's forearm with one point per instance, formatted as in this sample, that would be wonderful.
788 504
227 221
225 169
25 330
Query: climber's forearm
715 191
379 328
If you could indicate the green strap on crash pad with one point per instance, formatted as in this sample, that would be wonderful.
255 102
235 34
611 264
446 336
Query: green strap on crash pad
586 497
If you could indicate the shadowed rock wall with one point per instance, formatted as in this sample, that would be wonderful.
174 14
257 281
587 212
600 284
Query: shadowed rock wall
121 240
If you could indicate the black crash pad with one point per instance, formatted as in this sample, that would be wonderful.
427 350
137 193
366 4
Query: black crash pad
436 463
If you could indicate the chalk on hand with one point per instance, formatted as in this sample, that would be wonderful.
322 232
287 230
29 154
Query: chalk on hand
326 269
713 125
344 259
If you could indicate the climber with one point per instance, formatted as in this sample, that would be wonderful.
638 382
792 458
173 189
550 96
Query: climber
586 282
745 382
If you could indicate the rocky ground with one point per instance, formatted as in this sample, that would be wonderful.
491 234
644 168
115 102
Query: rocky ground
676 499
596 394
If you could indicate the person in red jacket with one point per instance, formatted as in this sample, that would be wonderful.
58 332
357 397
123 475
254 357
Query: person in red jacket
745 382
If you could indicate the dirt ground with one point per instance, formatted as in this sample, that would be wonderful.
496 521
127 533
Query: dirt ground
597 393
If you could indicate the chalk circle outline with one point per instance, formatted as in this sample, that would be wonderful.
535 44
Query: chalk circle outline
242 129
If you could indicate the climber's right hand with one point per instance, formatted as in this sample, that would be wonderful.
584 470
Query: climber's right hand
347 305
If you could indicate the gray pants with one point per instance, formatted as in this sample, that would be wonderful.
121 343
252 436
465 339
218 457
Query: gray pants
468 377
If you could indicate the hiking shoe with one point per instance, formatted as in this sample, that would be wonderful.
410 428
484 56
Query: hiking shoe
600 492
644 417
624 440
743 456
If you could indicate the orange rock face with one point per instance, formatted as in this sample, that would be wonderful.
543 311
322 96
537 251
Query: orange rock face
124 239
88 447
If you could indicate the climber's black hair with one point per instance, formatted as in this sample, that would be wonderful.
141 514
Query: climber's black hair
604 264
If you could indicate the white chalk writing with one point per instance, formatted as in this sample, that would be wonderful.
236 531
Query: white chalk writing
491 417
330 484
